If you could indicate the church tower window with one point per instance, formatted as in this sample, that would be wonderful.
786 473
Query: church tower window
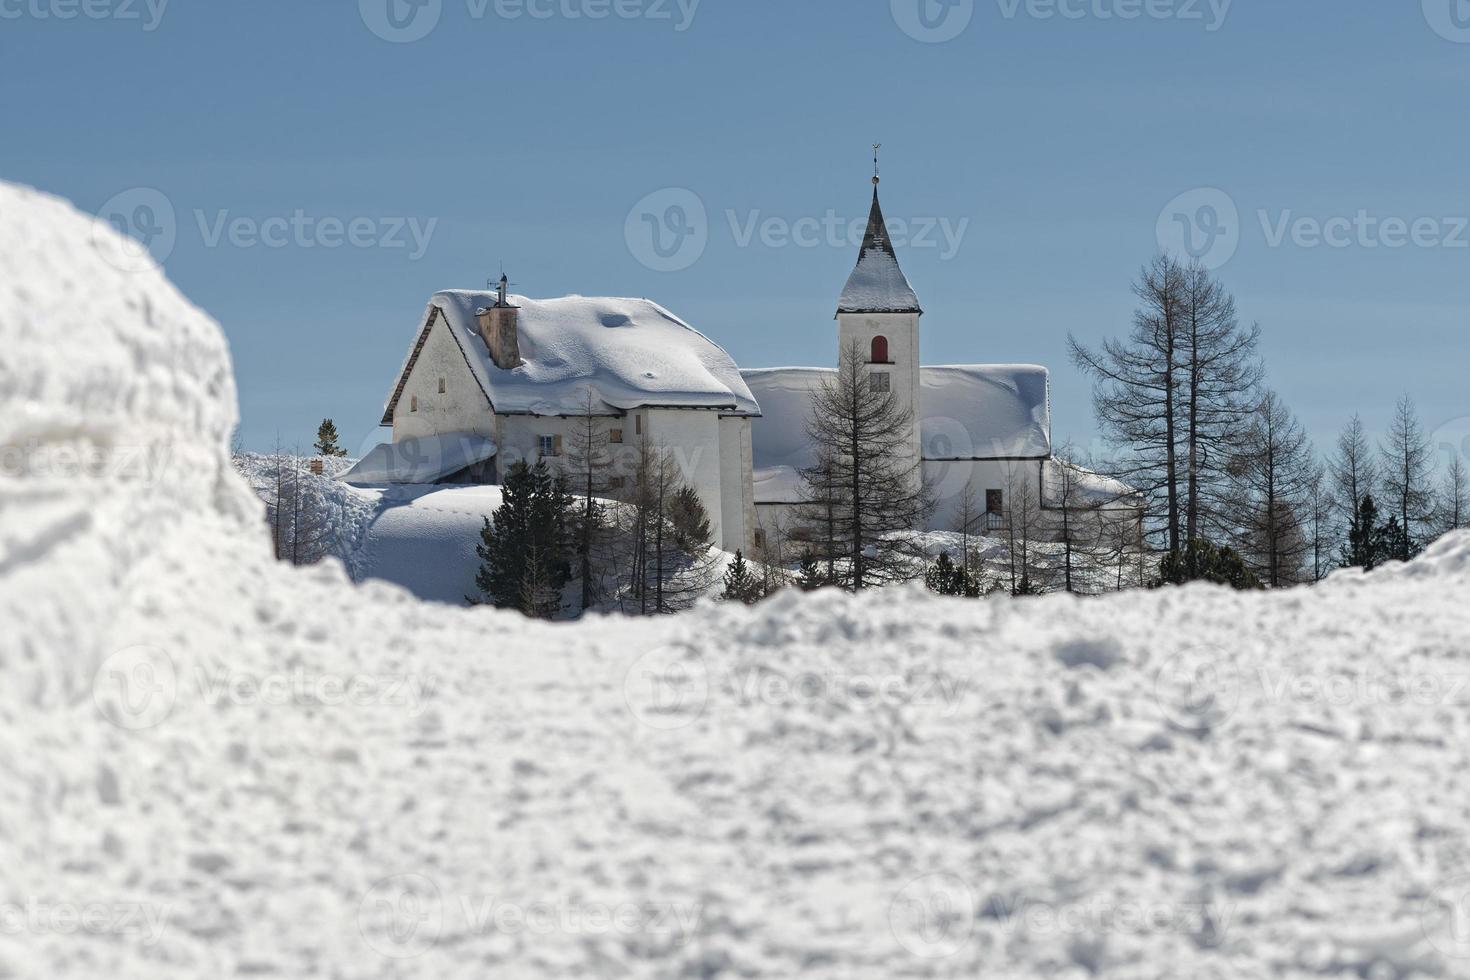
880 351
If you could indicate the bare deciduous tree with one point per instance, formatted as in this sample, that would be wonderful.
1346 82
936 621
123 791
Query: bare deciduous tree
1273 476
1353 473
1407 461
878 500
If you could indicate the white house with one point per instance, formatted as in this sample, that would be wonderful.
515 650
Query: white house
493 378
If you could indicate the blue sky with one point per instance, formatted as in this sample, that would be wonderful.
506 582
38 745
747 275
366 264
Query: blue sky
1049 146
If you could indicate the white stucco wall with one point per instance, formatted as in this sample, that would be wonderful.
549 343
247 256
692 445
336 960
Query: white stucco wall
461 408
736 490
693 440
948 481
902 332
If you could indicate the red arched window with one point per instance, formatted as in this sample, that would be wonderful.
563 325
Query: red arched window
880 350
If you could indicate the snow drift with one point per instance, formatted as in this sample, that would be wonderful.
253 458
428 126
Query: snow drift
213 765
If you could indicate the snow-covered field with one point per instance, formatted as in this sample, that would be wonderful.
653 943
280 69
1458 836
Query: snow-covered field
422 538
215 765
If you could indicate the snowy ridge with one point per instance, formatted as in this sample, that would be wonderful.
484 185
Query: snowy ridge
1034 789
629 352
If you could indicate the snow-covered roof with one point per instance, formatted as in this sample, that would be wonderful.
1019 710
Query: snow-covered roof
427 459
1088 489
629 352
985 411
877 284
967 412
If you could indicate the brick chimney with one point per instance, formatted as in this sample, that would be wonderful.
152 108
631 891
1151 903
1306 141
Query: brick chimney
498 327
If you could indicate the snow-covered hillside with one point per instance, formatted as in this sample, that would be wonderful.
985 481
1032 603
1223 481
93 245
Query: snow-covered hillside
213 764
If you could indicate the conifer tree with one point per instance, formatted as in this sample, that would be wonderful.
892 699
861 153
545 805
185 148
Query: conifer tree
525 545
810 577
740 584
326 440
1362 547
944 577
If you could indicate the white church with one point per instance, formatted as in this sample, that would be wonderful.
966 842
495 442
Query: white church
493 378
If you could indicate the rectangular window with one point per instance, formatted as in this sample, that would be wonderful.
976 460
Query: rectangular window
638 425
615 436
441 386
615 483
549 445
995 501
880 382
413 404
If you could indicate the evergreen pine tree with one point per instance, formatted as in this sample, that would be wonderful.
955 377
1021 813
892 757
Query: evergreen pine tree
688 520
810 577
1201 561
525 546
1361 550
946 578
326 440
740 584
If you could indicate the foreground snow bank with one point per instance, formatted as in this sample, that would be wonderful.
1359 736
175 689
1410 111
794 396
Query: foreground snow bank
213 765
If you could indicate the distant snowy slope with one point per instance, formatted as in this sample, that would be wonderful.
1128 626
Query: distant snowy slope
277 774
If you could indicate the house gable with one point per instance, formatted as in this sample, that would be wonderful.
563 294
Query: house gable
437 327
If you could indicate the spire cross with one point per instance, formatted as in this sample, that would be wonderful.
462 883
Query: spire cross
876 148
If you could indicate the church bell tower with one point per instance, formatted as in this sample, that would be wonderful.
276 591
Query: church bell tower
879 313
